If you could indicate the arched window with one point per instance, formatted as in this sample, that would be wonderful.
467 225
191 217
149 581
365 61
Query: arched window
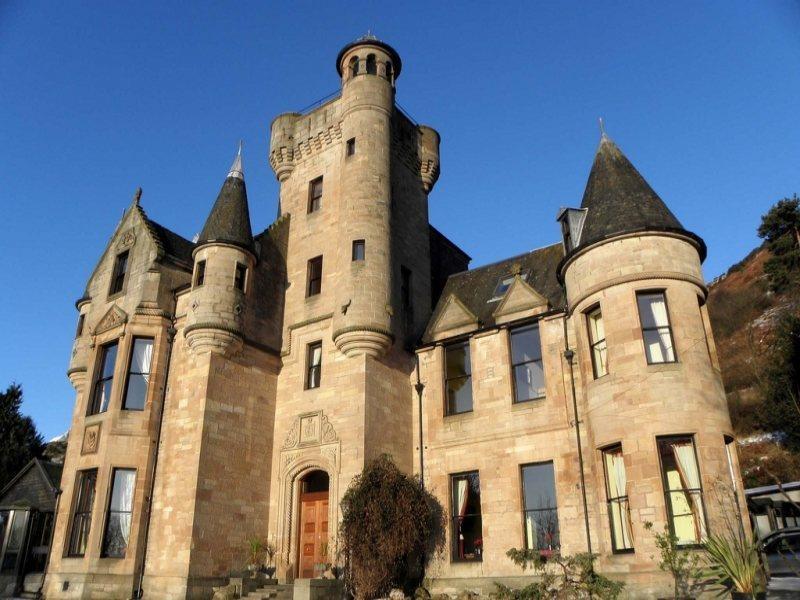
354 66
372 66
389 71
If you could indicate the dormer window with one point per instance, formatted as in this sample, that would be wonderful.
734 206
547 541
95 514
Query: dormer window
571 220
118 275
503 284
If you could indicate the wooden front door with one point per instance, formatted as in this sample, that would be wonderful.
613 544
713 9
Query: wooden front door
313 546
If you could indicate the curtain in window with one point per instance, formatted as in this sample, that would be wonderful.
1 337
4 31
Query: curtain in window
655 324
690 477
127 481
618 488
142 358
461 493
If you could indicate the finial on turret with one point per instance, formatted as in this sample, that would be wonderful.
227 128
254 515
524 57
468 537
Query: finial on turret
137 195
237 170
602 129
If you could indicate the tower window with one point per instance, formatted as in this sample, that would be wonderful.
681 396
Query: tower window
359 250
313 365
372 66
200 274
351 147
683 489
240 277
120 509
389 71
458 378
101 395
315 195
81 322
656 330
526 364
541 511
82 512
354 66
138 378
118 275
314 276
597 342
619 512
405 296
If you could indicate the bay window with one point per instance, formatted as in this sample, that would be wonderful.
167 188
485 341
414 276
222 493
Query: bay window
118 519
82 512
104 379
138 378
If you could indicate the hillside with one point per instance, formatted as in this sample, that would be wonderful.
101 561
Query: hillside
744 314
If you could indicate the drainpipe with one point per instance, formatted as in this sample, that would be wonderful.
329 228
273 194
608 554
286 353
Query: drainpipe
568 356
138 591
420 387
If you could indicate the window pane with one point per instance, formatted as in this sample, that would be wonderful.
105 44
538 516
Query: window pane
109 359
136 393
529 381
653 310
118 524
658 345
122 490
82 512
459 395
525 345
599 353
596 328
358 250
681 477
541 530
118 532
103 395
142 355
466 513
539 486
458 361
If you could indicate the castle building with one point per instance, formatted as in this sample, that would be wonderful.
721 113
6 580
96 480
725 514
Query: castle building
232 387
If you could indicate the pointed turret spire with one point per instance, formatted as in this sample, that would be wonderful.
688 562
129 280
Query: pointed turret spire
619 200
229 221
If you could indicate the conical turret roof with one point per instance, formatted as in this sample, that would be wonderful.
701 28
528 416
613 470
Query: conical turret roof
619 200
229 221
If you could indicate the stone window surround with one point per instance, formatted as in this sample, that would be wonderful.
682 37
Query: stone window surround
511 330
463 341
112 293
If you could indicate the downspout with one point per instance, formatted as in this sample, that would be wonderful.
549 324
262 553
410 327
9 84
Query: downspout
138 591
568 356
50 543
420 387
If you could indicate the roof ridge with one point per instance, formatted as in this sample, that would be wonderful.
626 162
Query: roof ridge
502 260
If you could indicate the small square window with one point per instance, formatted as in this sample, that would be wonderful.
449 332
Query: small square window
351 147
240 277
359 249
200 274
315 195
314 285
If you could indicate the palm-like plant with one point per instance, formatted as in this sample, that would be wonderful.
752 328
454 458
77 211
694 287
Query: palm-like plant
733 562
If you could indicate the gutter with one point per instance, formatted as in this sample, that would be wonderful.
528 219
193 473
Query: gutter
138 591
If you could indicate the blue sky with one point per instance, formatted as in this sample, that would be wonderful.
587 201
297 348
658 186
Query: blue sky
99 98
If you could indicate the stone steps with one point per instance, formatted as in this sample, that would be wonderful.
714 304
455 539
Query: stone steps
271 592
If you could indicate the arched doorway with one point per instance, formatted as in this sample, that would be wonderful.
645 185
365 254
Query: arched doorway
312 535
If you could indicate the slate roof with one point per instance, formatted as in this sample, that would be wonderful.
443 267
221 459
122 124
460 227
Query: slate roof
619 200
229 220
476 287
175 246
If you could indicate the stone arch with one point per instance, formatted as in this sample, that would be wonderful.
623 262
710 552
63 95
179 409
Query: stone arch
353 66
372 65
297 467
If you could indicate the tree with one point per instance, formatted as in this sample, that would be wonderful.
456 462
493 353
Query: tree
780 382
390 527
780 227
19 440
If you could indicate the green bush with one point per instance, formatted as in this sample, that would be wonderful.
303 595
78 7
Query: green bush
390 527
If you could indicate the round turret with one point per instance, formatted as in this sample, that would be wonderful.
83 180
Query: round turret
223 265
281 145
368 56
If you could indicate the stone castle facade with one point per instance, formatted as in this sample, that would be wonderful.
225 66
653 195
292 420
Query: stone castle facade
232 387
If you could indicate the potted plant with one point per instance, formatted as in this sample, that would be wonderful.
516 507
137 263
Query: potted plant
733 563
256 548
